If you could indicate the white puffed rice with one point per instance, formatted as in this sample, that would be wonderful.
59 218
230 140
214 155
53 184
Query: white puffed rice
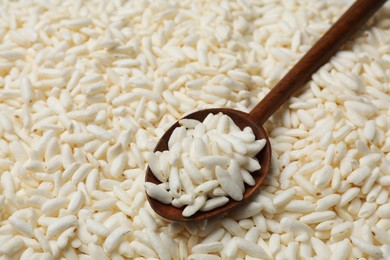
204 165
86 90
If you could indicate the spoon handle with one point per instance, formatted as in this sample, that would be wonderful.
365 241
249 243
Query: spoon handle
317 56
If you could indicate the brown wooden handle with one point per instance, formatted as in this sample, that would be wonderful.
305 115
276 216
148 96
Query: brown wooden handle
317 56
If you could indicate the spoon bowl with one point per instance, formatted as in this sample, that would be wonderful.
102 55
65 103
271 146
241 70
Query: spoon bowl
242 120
296 78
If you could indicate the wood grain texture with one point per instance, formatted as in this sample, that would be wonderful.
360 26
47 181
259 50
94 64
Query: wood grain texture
318 55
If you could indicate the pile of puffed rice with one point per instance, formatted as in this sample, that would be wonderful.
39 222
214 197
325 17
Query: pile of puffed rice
88 87
206 163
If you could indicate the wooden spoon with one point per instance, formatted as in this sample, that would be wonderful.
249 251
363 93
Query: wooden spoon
296 78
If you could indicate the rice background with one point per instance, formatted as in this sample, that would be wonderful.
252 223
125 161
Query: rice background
88 87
